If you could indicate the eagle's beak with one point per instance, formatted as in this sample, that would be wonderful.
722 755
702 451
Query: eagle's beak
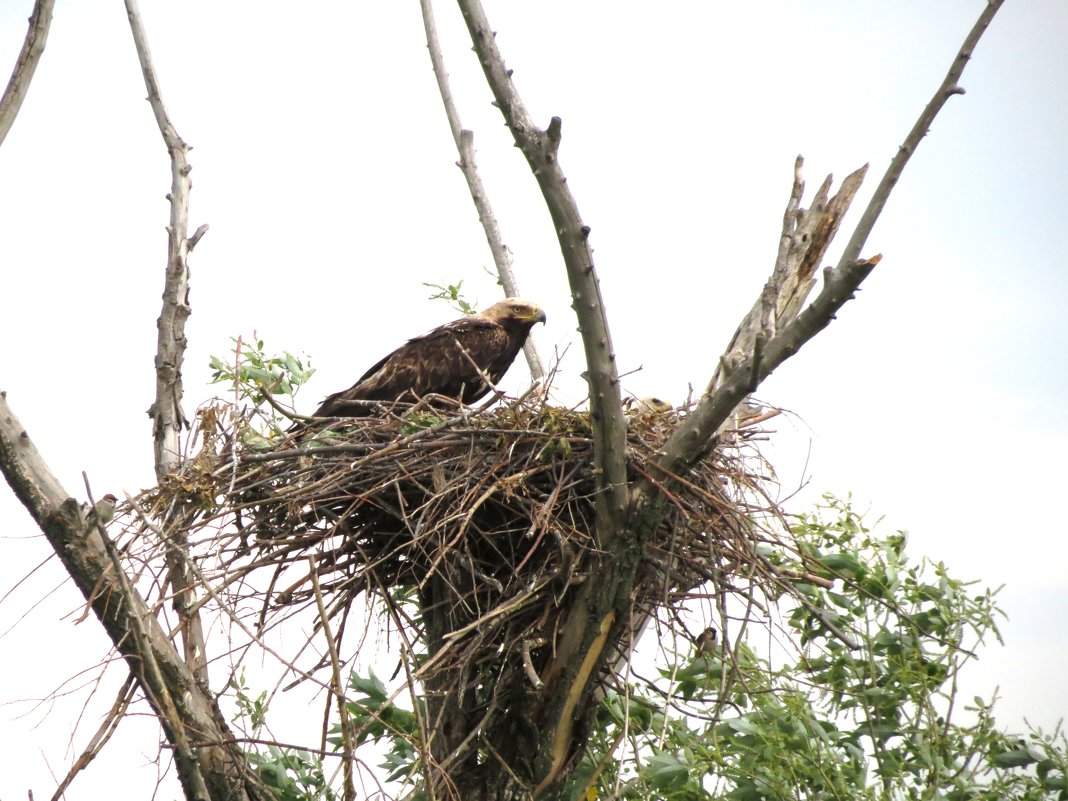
539 317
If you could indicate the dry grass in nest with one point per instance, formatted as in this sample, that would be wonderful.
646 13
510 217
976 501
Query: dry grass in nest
487 516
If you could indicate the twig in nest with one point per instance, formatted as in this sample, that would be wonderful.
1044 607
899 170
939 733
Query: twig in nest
528 664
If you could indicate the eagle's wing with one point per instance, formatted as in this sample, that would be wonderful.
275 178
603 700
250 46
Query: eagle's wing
441 362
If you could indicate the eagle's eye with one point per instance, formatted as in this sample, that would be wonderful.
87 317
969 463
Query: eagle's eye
517 309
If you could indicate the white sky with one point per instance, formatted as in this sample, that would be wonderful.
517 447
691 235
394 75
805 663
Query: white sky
324 166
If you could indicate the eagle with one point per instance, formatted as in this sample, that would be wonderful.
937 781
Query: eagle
453 361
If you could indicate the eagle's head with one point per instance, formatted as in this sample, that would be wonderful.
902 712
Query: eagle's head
647 405
515 312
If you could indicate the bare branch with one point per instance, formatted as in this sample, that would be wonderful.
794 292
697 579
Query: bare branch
166 410
186 711
107 728
465 145
806 236
948 88
29 56
540 149
695 436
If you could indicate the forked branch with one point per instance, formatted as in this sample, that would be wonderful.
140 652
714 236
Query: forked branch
780 341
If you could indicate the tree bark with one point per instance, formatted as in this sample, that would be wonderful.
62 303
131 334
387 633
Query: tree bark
32 50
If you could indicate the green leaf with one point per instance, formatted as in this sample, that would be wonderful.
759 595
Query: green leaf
666 771
843 564
1016 758
371 685
743 726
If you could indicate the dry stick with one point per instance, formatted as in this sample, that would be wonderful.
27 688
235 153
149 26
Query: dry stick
540 149
339 687
465 144
32 48
103 734
166 409
528 663
143 515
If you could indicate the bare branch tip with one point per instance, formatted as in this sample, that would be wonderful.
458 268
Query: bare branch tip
555 129
203 229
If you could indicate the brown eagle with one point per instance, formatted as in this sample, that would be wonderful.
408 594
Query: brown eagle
449 361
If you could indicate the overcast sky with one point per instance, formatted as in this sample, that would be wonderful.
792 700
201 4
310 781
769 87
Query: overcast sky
323 164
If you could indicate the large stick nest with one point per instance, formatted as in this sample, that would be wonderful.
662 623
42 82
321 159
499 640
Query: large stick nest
493 509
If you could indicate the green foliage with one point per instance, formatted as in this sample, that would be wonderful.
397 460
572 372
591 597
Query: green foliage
416 421
375 718
252 710
454 296
291 774
880 721
257 377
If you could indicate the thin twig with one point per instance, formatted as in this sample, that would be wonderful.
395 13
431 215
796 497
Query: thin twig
109 726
